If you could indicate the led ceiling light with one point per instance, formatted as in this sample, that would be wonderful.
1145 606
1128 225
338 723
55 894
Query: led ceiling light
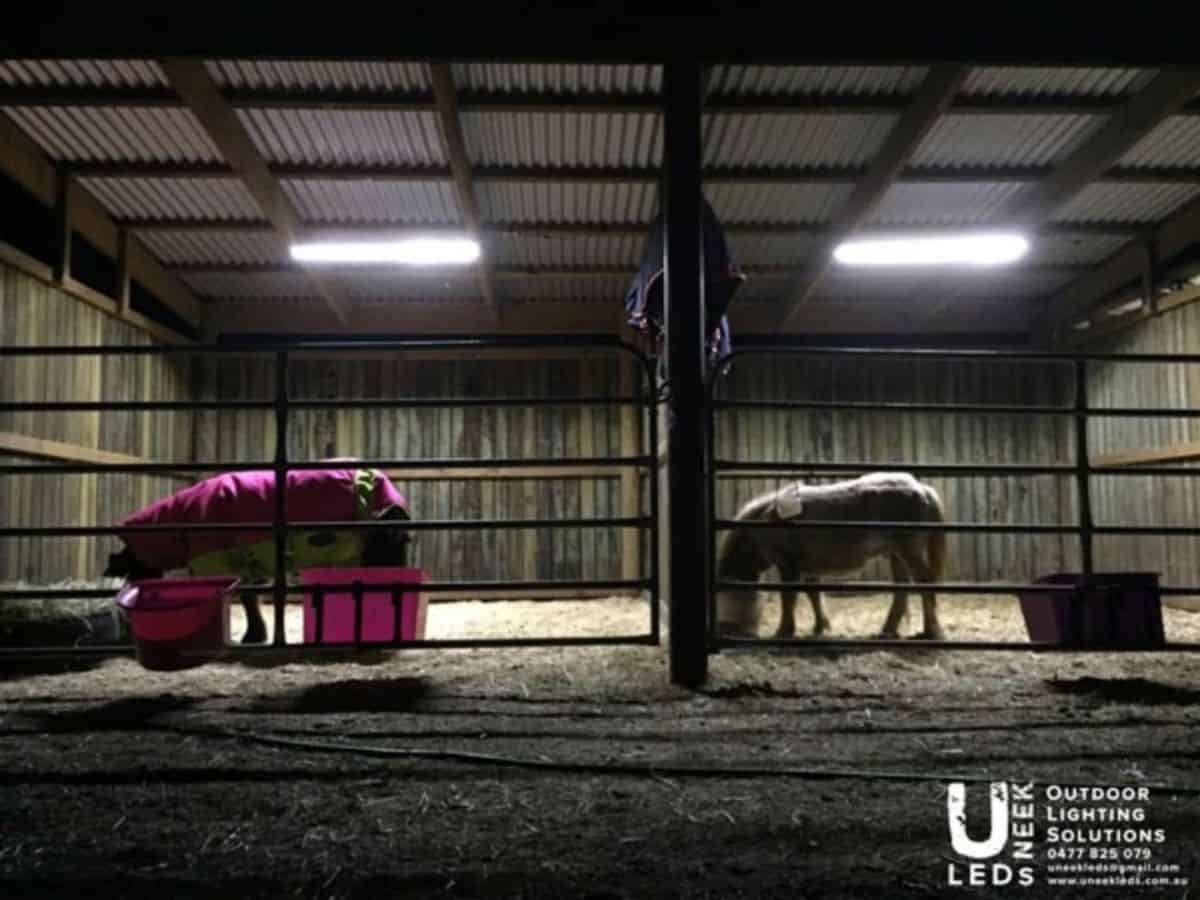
411 252
1127 307
971 250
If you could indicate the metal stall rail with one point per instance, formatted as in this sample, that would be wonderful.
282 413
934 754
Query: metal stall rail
643 398
1080 411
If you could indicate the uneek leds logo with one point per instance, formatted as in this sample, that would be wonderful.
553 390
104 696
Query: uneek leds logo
1011 829
1091 835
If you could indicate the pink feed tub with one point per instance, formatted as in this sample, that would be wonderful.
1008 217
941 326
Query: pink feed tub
178 623
379 620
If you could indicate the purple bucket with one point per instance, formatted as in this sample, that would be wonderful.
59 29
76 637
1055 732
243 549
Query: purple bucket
1117 609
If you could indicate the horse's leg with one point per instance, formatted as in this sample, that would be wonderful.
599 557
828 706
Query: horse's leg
787 602
256 627
900 574
787 605
820 623
925 574
787 614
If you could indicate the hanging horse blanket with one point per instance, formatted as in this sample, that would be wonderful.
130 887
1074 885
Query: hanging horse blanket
722 278
312 496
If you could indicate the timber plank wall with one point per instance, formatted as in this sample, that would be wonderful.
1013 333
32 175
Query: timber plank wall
432 433
33 313
847 435
1149 500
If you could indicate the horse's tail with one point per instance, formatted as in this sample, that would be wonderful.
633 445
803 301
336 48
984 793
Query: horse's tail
937 539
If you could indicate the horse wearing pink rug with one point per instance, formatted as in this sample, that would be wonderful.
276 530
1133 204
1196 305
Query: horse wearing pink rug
313 495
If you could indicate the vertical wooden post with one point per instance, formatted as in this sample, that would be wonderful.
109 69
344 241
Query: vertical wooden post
631 541
586 487
62 224
124 302
1083 468
1150 278
686 443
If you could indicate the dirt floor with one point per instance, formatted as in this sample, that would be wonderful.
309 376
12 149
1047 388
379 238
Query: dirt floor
119 782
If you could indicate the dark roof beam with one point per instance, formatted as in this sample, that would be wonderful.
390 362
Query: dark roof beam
195 85
931 100
450 121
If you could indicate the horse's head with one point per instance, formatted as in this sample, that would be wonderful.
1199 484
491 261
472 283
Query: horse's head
126 565
741 558
388 546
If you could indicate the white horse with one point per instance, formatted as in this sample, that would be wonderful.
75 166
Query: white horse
803 553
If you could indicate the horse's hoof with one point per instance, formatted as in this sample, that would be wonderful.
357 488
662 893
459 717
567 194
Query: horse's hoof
886 636
935 635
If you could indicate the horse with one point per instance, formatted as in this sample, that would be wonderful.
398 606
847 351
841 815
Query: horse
312 496
878 497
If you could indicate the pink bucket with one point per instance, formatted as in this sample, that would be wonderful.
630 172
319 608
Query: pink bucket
178 623
379 624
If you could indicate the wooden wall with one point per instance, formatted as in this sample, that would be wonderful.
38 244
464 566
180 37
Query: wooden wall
756 435
34 313
479 433
1145 500
880 437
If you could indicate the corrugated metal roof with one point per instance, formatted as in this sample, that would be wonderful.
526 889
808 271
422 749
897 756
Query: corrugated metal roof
1074 248
534 203
350 137
237 247
943 204
801 80
174 198
320 75
1126 202
737 140
1026 81
751 204
772 249
537 78
565 289
1002 140
844 286
403 202
560 251
117 134
1175 142
595 140
382 285
133 73
762 289
927 289
251 286
1010 284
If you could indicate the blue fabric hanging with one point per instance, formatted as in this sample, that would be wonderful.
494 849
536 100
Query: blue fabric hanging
722 278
